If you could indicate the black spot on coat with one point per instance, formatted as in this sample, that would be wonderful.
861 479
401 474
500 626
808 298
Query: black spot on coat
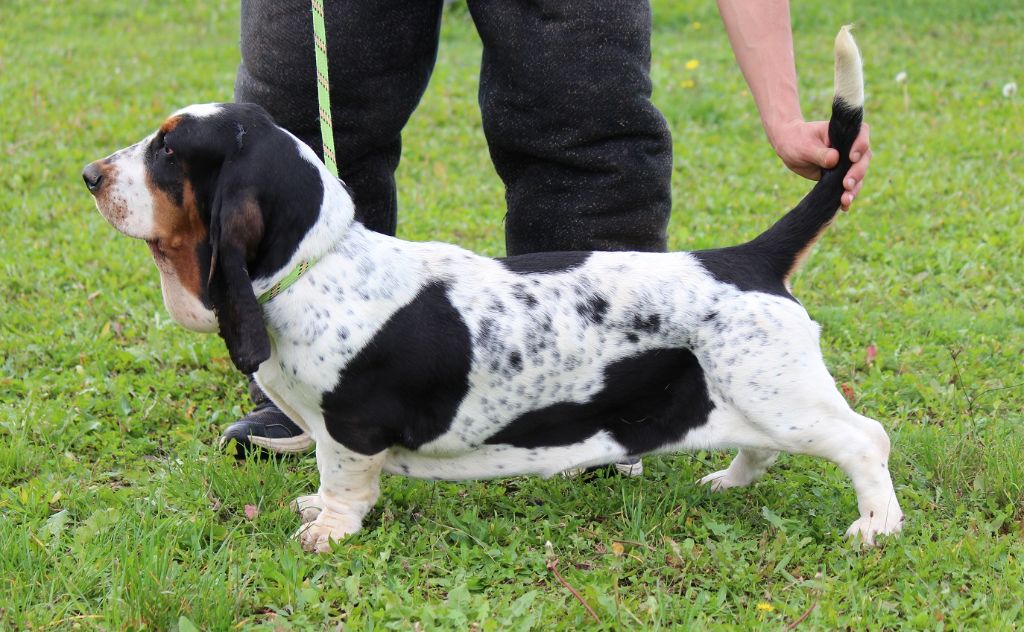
648 400
406 384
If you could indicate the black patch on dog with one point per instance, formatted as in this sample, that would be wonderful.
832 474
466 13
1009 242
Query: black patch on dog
593 308
649 400
739 266
520 293
515 361
406 384
545 262
648 324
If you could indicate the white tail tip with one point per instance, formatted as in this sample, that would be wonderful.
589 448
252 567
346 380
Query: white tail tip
849 73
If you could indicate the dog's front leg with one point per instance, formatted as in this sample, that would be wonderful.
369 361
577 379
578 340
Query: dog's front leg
349 486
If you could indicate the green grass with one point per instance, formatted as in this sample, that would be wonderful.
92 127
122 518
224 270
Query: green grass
117 512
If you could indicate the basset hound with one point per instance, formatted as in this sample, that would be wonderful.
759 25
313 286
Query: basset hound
426 360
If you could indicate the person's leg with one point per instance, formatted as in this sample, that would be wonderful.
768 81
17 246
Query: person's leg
585 156
380 56
565 97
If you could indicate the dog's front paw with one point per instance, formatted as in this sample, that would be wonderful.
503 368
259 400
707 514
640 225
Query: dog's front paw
308 507
867 527
316 536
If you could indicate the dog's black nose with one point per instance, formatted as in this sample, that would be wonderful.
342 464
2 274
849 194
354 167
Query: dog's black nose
93 177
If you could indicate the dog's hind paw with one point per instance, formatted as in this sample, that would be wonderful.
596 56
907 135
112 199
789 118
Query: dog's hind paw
722 480
308 507
748 466
868 527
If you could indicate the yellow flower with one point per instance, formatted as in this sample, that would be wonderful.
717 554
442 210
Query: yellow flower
687 83
696 26
765 607
692 64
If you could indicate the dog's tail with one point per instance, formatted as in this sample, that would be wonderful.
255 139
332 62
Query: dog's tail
781 250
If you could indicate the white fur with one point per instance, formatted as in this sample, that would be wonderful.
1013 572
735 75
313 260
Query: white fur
183 306
199 110
849 75
127 202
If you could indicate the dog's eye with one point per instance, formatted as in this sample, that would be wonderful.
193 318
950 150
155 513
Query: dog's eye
168 151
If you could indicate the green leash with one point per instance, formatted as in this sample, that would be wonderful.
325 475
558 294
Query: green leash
323 91
323 86
286 282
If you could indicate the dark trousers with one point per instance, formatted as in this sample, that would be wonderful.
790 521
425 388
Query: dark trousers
565 91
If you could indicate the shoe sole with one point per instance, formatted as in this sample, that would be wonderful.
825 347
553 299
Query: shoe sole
623 469
288 445
630 469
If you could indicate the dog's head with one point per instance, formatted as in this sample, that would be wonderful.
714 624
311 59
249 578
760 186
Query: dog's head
223 197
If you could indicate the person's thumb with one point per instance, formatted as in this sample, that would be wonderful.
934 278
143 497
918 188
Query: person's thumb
826 157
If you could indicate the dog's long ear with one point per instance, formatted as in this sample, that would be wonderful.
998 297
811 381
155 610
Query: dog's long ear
236 230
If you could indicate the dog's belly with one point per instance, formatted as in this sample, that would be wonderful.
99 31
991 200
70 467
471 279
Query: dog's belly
600 447
498 461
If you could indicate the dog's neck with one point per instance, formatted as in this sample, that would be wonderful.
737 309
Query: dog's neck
360 281
335 223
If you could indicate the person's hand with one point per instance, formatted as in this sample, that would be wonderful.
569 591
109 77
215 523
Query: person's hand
803 147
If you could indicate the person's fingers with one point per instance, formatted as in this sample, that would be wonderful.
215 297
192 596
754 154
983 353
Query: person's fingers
857 172
861 144
811 173
846 201
820 129
854 180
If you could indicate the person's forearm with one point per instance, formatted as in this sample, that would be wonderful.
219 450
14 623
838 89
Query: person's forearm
762 40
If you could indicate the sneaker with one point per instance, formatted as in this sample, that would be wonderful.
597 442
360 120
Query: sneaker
265 429
630 467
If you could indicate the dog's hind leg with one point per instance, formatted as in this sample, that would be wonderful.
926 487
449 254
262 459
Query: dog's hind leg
349 487
865 459
780 397
818 422
749 465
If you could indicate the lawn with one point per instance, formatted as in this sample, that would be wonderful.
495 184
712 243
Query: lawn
118 512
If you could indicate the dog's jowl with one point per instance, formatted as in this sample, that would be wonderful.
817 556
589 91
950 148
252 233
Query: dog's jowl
426 360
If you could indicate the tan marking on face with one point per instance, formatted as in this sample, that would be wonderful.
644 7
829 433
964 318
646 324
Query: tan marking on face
179 232
170 124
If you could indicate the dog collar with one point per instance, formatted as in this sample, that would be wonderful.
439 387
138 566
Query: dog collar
286 282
